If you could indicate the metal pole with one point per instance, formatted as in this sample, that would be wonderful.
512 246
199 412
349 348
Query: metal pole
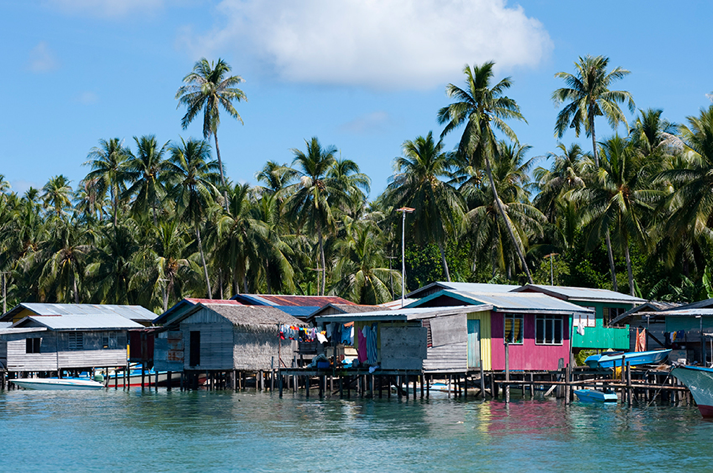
552 273
403 257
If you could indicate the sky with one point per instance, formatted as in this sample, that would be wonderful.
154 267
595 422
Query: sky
362 75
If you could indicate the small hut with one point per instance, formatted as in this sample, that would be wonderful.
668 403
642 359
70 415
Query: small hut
224 337
56 343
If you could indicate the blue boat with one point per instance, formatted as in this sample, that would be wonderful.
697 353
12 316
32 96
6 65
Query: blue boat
615 359
592 395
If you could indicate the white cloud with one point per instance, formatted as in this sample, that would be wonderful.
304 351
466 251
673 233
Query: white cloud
105 8
367 123
88 98
397 44
42 59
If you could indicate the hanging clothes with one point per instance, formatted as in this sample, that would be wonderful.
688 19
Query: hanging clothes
362 355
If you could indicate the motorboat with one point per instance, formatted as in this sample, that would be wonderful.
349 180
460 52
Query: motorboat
699 381
594 395
57 384
634 358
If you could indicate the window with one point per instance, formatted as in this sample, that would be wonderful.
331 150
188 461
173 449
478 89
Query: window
586 320
32 345
513 328
76 341
611 313
109 340
548 329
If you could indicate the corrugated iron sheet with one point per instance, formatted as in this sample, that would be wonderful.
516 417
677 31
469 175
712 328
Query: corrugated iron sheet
83 322
132 312
525 302
583 293
461 286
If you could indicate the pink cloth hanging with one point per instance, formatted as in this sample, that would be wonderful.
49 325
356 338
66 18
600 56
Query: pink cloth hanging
361 347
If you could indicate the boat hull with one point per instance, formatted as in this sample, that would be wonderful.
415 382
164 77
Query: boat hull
633 358
57 384
592 395
699 381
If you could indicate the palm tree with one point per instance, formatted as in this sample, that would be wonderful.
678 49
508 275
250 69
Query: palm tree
355 184
437 206
113 264
207 90
108 162
483 109
238 236
652 134
63 271
192 178
588 97
691 205
564 175
145 170
309 203
360 266
511 176
57 193
620 199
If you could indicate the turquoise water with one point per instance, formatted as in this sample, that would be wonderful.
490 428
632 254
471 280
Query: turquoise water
248 431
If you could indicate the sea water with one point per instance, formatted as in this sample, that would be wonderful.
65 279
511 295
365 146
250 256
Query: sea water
118 430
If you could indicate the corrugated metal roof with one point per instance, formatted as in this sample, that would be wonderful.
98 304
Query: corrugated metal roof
698 305
680 313
396 304
529 302
639 309
582 294
296 310
82 322
278 300
462 286
416 313
131 312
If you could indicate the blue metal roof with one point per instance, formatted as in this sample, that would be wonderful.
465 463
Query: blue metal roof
297 310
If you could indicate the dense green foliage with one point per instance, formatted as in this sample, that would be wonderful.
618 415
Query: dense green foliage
152 223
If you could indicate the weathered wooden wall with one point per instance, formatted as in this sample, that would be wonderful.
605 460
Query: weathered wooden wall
56 354
169 351
402 348
449 337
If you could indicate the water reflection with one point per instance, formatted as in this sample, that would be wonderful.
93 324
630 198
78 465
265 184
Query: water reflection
225 431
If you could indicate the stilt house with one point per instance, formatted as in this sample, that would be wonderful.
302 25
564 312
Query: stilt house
224 337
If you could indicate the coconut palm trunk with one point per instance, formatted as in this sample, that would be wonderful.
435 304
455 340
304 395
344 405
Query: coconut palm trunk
220 164
443 261
507 220
205 267
610 253
628 268
324 270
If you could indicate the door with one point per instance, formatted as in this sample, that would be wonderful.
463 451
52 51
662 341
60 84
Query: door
473 344
195 348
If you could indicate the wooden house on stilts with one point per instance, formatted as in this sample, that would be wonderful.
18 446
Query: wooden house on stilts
228 342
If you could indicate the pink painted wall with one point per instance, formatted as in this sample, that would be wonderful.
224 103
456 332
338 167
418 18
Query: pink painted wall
527 356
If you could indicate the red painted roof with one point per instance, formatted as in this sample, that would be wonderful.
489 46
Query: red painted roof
304 301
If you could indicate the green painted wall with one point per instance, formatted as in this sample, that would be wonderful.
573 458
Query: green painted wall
601 337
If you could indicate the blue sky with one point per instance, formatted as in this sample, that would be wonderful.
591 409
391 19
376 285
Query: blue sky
361 75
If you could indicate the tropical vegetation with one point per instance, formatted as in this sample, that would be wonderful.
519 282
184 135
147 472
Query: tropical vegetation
155 220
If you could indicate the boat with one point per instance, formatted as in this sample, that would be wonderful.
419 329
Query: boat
134 378
615 359
593 395
699 381
57 384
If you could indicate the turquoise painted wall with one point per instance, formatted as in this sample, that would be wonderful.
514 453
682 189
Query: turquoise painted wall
601 337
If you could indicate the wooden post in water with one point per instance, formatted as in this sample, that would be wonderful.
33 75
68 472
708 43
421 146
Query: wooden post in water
507 371
567 388
423 381
168 380
628 384
482 380
143 373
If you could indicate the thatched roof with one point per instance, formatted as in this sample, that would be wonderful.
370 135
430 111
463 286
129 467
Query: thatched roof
246 315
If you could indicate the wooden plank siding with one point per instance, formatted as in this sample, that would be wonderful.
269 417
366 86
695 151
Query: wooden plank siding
55 353
485 337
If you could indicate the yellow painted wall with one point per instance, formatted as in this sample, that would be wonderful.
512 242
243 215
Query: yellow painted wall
485 344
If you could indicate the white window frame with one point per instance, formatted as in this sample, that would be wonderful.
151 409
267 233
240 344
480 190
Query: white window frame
541 319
